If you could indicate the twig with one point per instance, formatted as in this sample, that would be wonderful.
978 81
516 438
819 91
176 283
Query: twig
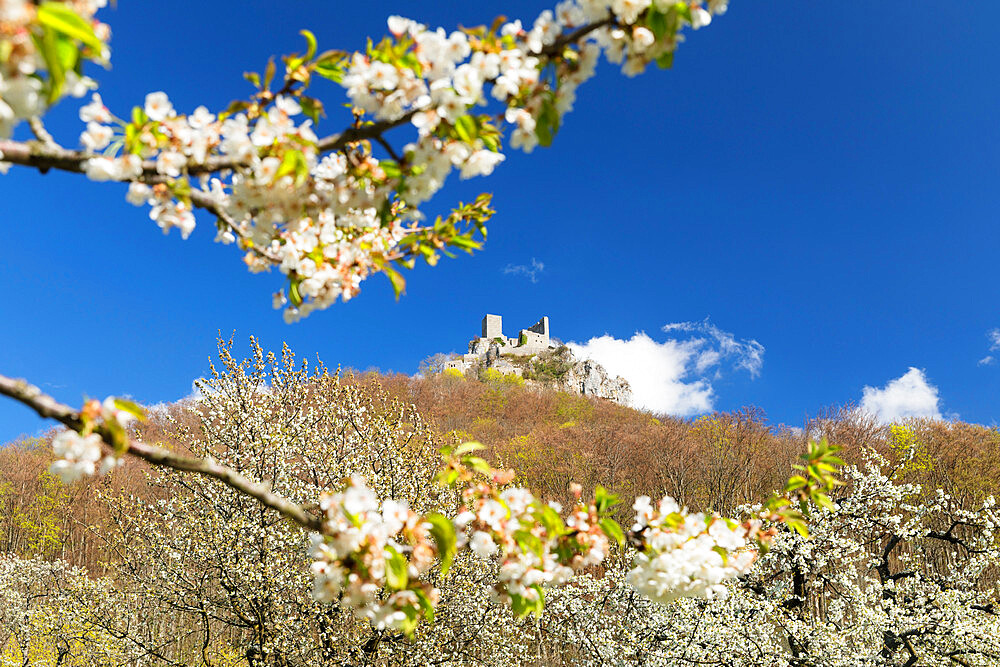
38 129
49 408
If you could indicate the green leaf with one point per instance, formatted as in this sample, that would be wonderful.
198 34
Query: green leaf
548 122
666 60
426 606
604 500
551 520
448 478
68 52
519 605
390 168
794 483
57 73
467 448
684 9
293 294
465 243
132 143
539 602
410 624
181 188
823 501
311 41
60 17
234 107
269 73
119 439
396 570
312 108
529 542
466 129
722 552
292 63
333 70
798 525
613 530
443 532
478 464
133 409
292 163
428 253
657 23
397 280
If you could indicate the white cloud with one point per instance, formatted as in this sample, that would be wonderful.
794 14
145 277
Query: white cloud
748 354
909 395
528 271
993 335
674 376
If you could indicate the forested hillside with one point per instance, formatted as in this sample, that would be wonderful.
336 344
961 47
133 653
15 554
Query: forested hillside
148 566
718 461
550 439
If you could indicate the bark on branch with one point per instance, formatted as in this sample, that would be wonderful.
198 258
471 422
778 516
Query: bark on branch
49 408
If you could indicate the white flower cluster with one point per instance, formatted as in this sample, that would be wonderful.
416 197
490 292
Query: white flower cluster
687 554
683 554
328 222
499 522
21 88
350 562
320 225
78 455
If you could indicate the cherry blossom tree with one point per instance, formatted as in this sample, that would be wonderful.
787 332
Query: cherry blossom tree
328 212
44 611
892 574
233 574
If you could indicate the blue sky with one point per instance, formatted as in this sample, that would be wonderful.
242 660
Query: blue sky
814 177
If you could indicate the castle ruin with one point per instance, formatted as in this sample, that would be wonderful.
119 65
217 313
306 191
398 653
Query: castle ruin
493 350
492 344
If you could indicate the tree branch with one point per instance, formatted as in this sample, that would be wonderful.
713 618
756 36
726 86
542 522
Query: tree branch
42 156
45 156
556 47
336 142
49 408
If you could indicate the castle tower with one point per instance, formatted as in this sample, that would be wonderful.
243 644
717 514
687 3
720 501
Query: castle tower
542 327
492 326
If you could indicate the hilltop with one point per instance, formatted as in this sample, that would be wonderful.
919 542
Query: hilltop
535 357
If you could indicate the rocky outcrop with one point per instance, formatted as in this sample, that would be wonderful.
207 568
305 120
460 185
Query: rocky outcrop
559 369
591 379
